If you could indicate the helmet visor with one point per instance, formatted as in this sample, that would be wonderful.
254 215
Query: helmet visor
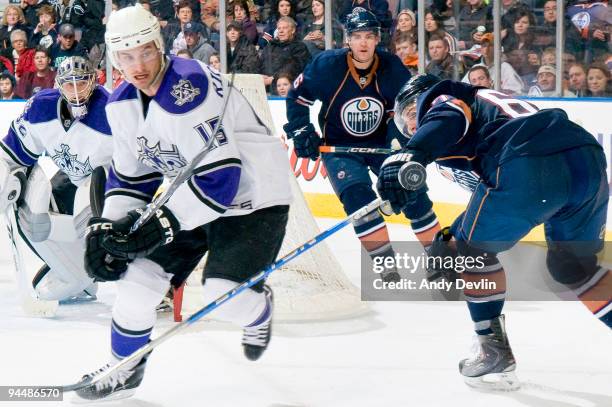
405 117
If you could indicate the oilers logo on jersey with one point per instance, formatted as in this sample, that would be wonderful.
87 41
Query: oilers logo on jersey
69 163
184 92
168 162
361 116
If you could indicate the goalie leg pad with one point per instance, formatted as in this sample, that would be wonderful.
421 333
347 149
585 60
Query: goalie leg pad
243 310
12 183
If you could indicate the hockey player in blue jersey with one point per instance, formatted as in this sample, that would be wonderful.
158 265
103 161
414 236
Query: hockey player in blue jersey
357 87
234 206
68 124
532 167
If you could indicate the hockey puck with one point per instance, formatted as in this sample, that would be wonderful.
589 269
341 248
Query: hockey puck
412 176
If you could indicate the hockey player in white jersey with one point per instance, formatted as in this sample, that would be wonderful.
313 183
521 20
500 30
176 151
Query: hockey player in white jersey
234 206
69 125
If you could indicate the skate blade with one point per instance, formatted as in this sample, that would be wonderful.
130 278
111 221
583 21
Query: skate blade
505 381
78 300
118 395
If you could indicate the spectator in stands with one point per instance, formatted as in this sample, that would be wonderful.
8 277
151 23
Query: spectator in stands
93 28
7 86
6 65
441 62
406 23
479 75
549 56
184 53
546 81
22 55
242 56
510 80
69 11
162 9
196 44
313 30
44 33
521 36
473 15
250 4
545 33
433 26
12 19
215 61
592 20
210 13
283 82
66 47
30 10
32 82
286 52
173 32
578 79
526 69
242 16
598 80
446 11
406 49
282 8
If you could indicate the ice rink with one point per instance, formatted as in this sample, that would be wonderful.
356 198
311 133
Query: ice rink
399 354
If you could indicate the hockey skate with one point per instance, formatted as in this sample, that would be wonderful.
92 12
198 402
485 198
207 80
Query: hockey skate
492 367
119 385
255 339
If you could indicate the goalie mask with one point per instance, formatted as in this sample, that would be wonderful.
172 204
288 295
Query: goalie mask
405 109
76 81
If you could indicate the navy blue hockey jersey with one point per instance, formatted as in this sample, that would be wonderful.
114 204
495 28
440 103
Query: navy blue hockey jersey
356 105
475 129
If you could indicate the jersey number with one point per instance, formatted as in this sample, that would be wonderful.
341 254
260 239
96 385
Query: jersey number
206 130
512 107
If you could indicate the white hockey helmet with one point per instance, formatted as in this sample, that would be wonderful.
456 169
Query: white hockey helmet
129 28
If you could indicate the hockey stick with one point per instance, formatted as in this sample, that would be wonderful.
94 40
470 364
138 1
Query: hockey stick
358 150
187 171
31 305
372 206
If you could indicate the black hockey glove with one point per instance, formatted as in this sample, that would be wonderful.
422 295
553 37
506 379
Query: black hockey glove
441 250
99 264
158 231
306 141
388 184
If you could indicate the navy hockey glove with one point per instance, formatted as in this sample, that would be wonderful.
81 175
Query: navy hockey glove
388 184
158 231
99 264
306 141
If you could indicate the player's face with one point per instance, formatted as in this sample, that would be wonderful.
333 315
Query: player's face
41 61
479 78
284 8
521 25
577 78
363 44
6 87
140 65
596 81
409 115
282 87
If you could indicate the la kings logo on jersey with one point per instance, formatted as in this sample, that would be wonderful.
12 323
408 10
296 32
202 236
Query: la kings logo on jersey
468 180
184 92
168 162
361 116
69 163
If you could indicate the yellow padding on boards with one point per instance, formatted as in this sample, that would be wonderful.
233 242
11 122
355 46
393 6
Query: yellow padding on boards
328 206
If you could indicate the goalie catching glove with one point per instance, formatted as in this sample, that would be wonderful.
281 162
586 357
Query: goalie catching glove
158 231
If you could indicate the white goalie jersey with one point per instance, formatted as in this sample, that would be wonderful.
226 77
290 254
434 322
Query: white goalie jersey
76 147
245 170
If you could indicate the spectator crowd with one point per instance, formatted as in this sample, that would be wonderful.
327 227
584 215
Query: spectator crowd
277 38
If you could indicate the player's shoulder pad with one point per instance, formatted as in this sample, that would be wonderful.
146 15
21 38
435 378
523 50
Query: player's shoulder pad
184 86
96 116
124 91
449 90
42 107
455 103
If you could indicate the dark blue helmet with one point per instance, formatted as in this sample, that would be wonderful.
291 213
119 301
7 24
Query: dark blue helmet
407 96
361 19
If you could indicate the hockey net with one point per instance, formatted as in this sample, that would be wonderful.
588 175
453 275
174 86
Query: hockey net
311 287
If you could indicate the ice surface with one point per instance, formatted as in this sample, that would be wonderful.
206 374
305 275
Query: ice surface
401 354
